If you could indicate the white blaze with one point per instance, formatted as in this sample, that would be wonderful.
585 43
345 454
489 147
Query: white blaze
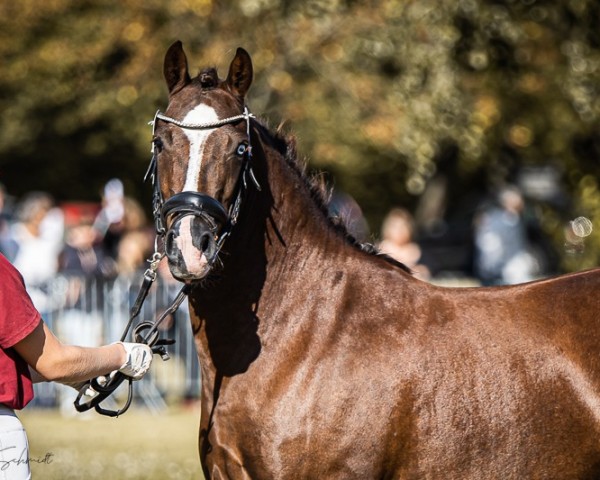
197 138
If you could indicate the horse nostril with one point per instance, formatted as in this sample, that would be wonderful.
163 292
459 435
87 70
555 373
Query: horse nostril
169 242
205 242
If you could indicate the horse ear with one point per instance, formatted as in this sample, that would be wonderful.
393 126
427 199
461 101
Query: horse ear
239 77
175 68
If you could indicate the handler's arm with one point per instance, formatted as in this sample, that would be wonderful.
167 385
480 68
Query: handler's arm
55 361
36 377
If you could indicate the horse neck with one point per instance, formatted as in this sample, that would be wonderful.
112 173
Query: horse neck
282 235
297 231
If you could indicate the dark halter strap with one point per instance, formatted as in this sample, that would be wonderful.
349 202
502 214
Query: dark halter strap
197 204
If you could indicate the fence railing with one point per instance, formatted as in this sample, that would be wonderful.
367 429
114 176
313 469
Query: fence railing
93 312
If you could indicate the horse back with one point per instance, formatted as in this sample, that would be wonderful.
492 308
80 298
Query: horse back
506 381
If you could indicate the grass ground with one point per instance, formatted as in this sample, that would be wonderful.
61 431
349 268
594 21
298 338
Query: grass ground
137 445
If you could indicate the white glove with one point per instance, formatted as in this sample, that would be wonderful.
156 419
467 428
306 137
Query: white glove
139 358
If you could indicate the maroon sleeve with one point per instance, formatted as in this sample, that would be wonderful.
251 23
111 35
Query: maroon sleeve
18 316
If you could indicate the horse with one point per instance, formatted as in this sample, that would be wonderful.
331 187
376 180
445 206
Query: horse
321 358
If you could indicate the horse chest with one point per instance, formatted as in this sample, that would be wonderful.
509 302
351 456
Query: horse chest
304 425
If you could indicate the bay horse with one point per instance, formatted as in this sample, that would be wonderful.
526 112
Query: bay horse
321 359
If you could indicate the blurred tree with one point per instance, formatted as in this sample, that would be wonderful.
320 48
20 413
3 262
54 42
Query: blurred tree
402 101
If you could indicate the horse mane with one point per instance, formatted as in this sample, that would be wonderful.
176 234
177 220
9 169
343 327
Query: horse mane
319 191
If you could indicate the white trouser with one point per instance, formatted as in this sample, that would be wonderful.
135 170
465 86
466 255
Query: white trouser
14 448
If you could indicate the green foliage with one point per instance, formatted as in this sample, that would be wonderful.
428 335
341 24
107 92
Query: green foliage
378 92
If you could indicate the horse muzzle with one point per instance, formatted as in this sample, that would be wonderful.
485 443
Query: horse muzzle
191 243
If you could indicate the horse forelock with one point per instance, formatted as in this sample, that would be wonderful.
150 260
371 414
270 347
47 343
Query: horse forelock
207 78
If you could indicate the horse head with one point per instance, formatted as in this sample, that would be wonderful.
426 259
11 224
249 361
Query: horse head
202 156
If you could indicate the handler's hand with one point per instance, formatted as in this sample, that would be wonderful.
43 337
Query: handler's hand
139 358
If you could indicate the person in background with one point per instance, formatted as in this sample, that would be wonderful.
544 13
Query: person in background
132 251
344 209
502 254
119 216
397 233
30 352
110 217
83 254
8 246
39 234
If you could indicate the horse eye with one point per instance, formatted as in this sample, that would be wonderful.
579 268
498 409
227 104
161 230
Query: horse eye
158 144
241 149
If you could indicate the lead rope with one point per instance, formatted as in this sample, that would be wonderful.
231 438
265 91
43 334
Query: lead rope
95 391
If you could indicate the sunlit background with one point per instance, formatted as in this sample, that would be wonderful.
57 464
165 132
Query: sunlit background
442 107
429 105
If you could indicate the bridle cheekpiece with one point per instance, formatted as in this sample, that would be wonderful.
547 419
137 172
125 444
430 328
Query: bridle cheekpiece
221 221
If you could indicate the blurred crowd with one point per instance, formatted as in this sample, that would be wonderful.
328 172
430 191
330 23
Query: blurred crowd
500 250
82 263
496 248
101 240
112 238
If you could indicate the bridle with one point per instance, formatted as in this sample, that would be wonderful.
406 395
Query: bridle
197 203
221 223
